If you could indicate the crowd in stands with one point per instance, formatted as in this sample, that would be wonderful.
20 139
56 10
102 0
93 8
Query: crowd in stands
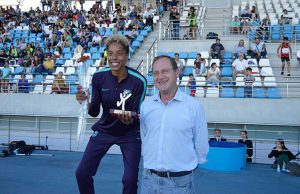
36 39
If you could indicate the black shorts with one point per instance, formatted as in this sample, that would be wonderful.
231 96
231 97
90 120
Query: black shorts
285 59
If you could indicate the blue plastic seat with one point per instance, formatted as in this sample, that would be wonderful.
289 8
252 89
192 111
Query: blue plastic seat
192 55
226 72
38 79
227 82
71 79
171 54
96 56
289 35
258 93
149 78
275 36
240 93
188 70
89 62
19 70
136 44
276 28
161 53
59 62
144 33
273 93
183 55
228 55
227 93
66 50
140 38
287 28
73 89
67 56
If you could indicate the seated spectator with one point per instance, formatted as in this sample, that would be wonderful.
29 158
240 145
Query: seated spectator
68 41
262 32
217 136
199 66
36 62
103 34
59 86
6 72
57 54
213 75
244 140
285 18
281 153
244 26
248 79
239 66
254 24
192 85
46 66
217 50
258 50
83 43
13 53
3 57
96 41
240 48
27 60
235 25
23 86
246 12
180 65
121 24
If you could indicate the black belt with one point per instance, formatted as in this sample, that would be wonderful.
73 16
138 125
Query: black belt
170 174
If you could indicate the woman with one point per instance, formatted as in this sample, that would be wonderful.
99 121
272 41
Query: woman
4 79
57 53
281 153
240 48
213 75
244 140
59 86
13 53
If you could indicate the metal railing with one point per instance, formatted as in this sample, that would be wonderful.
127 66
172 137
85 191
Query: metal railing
61 134
151 53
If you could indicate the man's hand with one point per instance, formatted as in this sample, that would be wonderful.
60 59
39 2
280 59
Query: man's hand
125 118
80 95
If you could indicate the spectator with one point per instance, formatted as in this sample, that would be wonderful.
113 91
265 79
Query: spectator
258 50
246 13
217 50
245 26
57 53
27 60
36 62
192 22
23 86
284 51
240 48
281 153
148 15
235 25
68 41
254 23
83 43
13 53
244 140
174 19
239 66
192 85
59 86
6 72
46 67
3 57
217 136
180 65
262 32
199 66
285 18
248 79
213 75
96 41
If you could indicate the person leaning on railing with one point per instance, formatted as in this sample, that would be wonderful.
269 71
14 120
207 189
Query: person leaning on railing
23 86
59 86
244 140
6 71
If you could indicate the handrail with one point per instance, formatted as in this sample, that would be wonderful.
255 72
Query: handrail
140 67
151 54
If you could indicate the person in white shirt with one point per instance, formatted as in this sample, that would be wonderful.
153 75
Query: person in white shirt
96 41
174 134
239 66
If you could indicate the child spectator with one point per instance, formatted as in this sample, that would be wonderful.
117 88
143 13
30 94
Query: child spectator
23 86
285 55
244 140
192 85
199 66
248 79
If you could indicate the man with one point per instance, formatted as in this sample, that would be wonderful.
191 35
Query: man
113 88
258 50
239 66
173 133
217 136
96 41
174 17
217 50
180 65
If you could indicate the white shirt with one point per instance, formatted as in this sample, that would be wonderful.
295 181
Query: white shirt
97 39
240 65
174 136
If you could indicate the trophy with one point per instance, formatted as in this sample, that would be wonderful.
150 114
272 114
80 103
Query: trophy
123 97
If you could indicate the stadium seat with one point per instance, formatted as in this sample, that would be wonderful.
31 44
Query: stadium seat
212 92
73 89
38 89
258 93
184 80
240 93
227 81
183 55
59 69
144 33
275 36
188 70
72 79
273 93
171 54
96 56
59 62
68 63
101 50
200 81
49 79
67 56
150 90
93 50
200 92
97 63
161 53
136 44
270 82
227 93
19 70
204 54
190 62
70 71
217 61
48 89
226 72
240 81
257 82
140 38
192 55
228 55
92 70
38 79
252 62
149 79
66 50
266 71
264 63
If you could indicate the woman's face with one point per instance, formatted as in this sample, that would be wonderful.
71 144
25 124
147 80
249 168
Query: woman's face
243 135
278 145
241 42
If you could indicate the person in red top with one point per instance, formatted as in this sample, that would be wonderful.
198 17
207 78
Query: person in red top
285 55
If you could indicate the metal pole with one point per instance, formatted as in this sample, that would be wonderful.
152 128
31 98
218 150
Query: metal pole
70 135
8 129
39 130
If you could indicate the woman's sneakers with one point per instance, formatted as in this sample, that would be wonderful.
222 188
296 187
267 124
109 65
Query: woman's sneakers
287 74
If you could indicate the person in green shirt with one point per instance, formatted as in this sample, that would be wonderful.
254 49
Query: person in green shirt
193 23
235 25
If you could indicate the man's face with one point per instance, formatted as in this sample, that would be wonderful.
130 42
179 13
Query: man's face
117 56
217 133
248 72
218 41
257 41
176 57
165 77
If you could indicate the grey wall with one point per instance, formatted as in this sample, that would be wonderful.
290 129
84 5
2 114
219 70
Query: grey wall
218 110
